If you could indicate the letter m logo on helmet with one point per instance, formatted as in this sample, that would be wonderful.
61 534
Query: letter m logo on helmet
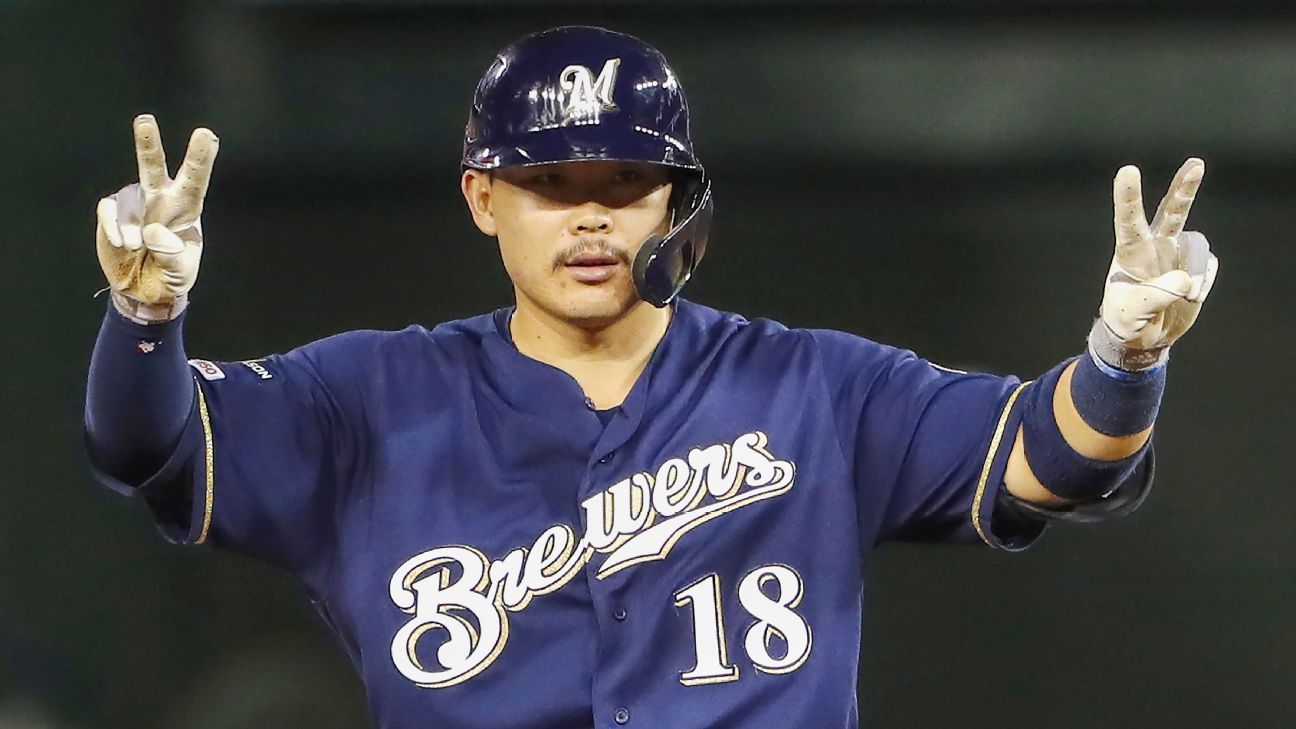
575 93
588 95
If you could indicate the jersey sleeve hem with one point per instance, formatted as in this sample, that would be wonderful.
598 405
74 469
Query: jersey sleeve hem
207 474
199 481
991 478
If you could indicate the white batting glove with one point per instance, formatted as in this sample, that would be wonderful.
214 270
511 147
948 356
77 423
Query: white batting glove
1159 276
149 234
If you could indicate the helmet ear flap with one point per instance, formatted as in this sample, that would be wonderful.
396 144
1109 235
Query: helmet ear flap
665 263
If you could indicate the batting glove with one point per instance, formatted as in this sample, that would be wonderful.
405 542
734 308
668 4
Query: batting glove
149 234
1159 276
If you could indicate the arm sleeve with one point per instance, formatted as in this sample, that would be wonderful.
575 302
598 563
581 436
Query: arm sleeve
265 458
929 445
139 397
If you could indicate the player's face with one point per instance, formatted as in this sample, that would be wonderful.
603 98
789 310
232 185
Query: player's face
569 231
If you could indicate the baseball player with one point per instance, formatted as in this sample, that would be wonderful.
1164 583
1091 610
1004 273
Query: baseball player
606 505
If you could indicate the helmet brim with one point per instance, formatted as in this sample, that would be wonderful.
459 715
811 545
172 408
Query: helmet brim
581 143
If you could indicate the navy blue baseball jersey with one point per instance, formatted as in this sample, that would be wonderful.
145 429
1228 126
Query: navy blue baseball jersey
492 553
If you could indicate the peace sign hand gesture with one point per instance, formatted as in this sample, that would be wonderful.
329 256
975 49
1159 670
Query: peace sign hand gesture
149 234
1159 276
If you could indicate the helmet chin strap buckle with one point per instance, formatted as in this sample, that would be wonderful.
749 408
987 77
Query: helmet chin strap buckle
665 263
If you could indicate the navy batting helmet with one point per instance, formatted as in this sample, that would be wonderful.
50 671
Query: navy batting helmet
585 93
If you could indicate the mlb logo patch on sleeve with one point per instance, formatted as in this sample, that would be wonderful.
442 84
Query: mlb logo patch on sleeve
207 369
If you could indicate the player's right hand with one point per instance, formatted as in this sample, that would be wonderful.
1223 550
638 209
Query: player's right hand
149 234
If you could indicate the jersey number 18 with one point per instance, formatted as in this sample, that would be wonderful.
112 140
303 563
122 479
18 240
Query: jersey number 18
774 616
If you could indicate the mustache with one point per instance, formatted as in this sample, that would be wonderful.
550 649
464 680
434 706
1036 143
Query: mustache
589 245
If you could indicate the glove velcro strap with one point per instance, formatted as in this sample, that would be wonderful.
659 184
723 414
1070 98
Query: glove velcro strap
1116 353
1057 465
142 312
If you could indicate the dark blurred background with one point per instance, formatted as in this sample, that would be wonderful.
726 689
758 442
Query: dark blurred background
928 173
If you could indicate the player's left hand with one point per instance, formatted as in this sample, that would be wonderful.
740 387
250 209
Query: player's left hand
1160 274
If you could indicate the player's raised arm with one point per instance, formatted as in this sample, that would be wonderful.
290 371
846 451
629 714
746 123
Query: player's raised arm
1087 422
149 241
